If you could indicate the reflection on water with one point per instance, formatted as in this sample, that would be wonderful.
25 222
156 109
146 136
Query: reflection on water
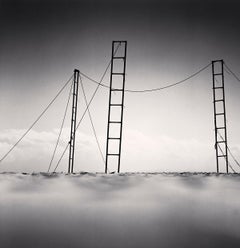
127 210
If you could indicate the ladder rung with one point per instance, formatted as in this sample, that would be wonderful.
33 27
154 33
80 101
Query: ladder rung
118 122
118 57
116 89
113 154
117 73
219 114
220 100
122 41
215 88
114 138
222 156
220 127
116 104
221 141
217 74
217 61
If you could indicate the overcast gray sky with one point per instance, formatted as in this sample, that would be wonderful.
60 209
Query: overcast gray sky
172 130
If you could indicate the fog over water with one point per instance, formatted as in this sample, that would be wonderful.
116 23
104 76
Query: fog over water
125 210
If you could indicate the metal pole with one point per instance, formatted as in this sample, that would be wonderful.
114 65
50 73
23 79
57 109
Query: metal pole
73 122
225 117
109 109
215 117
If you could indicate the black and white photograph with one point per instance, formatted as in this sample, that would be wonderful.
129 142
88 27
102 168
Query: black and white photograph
119 124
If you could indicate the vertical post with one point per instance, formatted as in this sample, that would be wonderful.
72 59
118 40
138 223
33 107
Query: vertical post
109 109
121 126
215 117
225 118
73 122
220 122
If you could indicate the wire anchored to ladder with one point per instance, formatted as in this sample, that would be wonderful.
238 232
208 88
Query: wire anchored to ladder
219 147
36 121
91 120
87 107
61 128
152 89
230 152
231 72
218 78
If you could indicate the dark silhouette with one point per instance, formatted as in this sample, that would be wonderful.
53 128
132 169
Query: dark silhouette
73 122
219 112
116 72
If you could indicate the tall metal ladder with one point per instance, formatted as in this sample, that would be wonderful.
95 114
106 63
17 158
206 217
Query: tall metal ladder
73 122
115 109
219 113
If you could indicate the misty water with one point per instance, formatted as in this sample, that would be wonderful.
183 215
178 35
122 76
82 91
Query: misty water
125 210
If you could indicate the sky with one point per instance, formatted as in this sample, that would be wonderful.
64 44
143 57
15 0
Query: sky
42 42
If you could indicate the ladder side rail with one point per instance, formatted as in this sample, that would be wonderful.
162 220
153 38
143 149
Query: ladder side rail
215 117
121 125
225 119
75 116
109 109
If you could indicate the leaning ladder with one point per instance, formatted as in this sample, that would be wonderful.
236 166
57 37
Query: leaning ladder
73 122
116 103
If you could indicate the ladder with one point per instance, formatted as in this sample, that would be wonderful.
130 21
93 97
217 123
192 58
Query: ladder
219 114
116 104
73 121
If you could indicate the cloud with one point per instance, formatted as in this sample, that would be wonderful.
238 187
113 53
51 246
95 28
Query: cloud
164 153
34 152
140 152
